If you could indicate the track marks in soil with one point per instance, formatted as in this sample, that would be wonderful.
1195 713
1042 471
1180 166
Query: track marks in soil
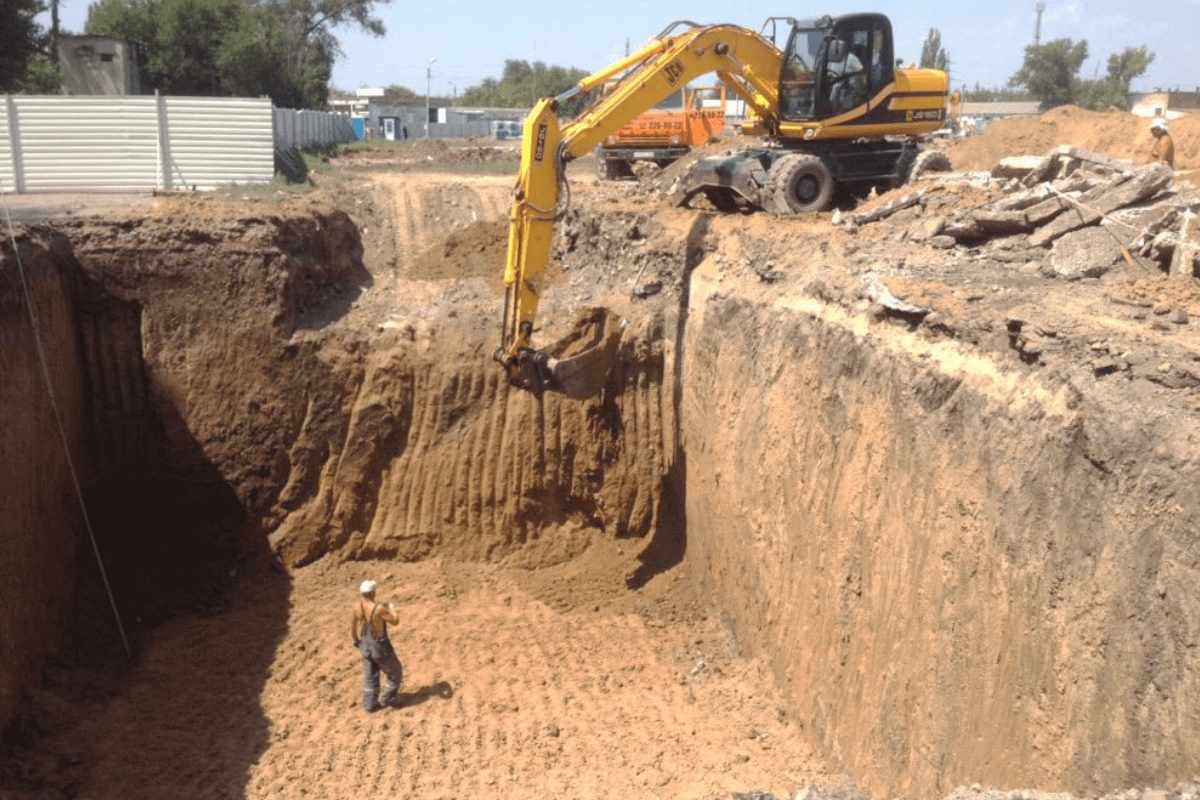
506 698
429 207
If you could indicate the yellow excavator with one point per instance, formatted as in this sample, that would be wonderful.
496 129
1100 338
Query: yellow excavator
832 108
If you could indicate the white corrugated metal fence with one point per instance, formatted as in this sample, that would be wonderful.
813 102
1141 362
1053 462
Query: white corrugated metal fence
57 143
311 128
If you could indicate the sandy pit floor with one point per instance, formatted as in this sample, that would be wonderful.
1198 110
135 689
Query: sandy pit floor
517 684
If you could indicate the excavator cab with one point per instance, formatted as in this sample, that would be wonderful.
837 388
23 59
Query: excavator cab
832 66
847 120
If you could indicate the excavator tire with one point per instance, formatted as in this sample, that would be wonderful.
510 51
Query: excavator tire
928 161
801 184
607 169
904 167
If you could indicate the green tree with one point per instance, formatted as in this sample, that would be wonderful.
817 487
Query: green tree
309 46
1112 91
523 83
1051 71
281 48
396 95
20 38
42 76
933 55
988 94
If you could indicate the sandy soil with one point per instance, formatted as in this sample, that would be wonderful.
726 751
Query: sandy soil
39 206
517 684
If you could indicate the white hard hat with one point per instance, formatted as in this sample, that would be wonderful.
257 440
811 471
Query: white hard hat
366 587
1158 125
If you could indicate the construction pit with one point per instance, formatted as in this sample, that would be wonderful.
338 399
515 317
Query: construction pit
891 501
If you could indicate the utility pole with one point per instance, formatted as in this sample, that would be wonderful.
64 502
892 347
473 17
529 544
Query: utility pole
428 74
1037 32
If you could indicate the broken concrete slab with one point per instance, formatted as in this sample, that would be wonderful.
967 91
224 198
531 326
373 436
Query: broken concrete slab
1118 165
874 289
1187 248
1019 201
1001 223
1017 166
1086 253
887 209
926 229
1091 207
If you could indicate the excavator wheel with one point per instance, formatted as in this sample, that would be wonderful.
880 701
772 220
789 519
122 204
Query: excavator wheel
608 169
904 167
800 184
928 161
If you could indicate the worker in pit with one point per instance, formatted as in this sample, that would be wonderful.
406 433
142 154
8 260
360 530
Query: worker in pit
1164 146
368 630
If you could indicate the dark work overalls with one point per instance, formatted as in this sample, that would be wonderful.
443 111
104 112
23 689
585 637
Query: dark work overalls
378 654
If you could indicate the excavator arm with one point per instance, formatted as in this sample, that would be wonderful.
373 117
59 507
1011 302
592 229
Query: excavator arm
744 61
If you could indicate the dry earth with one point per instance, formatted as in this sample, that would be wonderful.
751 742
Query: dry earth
561 661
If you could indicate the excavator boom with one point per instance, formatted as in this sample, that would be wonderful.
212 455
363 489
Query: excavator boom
835 109
747 63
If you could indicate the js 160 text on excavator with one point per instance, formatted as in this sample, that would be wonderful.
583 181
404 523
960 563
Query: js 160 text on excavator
831 109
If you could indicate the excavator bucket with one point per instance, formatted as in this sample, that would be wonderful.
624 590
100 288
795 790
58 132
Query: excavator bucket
579 369
585 358
584 375
720 178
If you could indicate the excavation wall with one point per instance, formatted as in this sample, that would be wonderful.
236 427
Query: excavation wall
960 570
41 512
959 574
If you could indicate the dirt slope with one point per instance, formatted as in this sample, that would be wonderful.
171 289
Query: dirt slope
1112 133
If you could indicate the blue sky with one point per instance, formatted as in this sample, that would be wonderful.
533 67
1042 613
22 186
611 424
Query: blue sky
985 41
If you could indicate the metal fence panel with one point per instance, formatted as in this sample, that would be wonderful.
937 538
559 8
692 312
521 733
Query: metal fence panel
215 141
311 128
144 142
87 142
8 179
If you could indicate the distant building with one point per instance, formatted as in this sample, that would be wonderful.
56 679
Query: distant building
357 106
1169 105
410 121
98 65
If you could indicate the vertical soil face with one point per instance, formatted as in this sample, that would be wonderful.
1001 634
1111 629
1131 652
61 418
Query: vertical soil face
41 511
961 569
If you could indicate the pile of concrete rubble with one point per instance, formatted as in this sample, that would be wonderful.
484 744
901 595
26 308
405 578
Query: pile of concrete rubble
1088 210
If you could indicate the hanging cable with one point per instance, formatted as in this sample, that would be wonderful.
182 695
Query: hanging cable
37 338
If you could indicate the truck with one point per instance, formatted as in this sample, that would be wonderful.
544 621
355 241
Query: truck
685 119
831 109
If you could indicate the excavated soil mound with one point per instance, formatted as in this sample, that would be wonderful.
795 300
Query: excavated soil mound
475 251
1113 133
429 147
